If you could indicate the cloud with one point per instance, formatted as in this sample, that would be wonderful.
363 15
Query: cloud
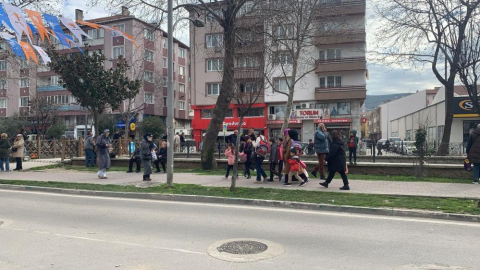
89 12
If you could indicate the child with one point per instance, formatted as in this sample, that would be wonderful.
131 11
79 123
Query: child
294 162
230 153
273 159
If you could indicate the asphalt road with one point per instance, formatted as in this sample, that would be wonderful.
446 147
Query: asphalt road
50 231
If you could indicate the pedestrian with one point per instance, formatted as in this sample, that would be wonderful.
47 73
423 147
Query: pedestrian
287 144
273 159
88 148
337 161
352 147
103 157
182 141
233 138
379 147
473 153
161 157
260 144
387 146
253 137
230 154
147 147
134 158
5 152
321 149
248 150
310 147
280 158
176 142
295 165
17 149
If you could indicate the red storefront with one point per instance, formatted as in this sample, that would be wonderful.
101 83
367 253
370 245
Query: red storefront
200 124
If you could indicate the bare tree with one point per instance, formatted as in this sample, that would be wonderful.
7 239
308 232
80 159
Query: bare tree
426 33
43 111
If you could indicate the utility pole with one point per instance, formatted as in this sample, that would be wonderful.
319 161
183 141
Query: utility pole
170 102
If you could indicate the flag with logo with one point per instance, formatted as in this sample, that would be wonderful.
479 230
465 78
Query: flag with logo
16 48
74 28
36 18
29 52
17 20
4 20
55 26
43 54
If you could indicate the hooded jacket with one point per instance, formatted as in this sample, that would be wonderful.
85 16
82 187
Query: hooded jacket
321 142
336 158
473 146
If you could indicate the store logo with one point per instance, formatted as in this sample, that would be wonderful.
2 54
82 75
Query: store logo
466 105
233 123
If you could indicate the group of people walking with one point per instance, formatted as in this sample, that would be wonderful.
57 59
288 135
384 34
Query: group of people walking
285 153
14 148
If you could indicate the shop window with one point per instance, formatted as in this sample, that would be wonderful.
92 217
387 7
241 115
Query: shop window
208 113
255 112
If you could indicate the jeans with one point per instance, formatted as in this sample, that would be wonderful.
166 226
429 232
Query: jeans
7 164
130 164
248 166
476 171
342 174
229 168
19 163
352 151
321 164
258 166
89 155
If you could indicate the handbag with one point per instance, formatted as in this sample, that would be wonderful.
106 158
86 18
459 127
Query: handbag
14 150
467 165
242 157
154 156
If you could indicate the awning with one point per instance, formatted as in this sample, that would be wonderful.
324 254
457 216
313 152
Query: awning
220 134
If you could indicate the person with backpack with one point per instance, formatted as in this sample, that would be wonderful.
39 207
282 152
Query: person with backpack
337 161
352 146
247 149
321 149
280 159
17 149
273 159
262 148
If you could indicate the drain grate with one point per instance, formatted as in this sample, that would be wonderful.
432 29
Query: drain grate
243 247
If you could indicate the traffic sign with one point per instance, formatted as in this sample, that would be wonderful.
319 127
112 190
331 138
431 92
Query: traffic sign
224 127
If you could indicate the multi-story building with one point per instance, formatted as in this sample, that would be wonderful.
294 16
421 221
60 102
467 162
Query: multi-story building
148 63
332 94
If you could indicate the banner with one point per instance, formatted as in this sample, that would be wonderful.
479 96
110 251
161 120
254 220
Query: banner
16 48
75 29
36 18
70 40
4 20
55 26
43 54
32 29
17 20
29 52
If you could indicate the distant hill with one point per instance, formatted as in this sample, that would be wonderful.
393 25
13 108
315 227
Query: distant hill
372 101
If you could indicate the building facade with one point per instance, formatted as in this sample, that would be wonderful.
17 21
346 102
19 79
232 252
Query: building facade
148 61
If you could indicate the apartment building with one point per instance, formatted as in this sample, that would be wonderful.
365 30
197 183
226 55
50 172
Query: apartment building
148 63
332 94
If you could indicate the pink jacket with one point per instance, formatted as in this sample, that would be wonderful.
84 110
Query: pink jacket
231 156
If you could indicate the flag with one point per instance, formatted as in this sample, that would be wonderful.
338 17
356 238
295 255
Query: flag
17 20
55 26
93 25
29 52
36 18
4 20
74 28
43 54
16 48
70 40
33 29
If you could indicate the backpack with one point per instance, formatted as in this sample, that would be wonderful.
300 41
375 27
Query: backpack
263 148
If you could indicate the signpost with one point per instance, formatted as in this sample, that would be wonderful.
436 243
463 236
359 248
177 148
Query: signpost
224 131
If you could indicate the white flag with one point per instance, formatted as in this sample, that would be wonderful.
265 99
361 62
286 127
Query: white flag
6 36
74 28
17 20
43 54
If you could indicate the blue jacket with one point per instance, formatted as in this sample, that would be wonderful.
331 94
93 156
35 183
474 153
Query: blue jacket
321 142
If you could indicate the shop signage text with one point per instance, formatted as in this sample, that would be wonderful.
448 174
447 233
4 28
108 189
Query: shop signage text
464 107
333 120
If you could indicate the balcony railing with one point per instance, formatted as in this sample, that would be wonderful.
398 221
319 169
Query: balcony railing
91 42
340 37
342 92
71 107
341 88
46 88
341 64
341 7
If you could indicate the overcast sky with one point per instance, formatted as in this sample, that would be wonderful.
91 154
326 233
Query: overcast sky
383 79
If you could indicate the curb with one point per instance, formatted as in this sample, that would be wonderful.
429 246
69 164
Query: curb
392 212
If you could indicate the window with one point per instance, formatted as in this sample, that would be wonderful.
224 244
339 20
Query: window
208 113
148 76
214 40
120 27
181 88
278 110
213 89
164 42
91 53
61 99
165 63
181 105
283 58
54 80
117 51
283 31
409 135
24 101
248 87
330 81
211 18
148 56
330 54
23 63
164 81
165 101
96 33
149 98
3 65
182 71
343 108
255 112
3 103
215 64
24 82
3 46
247 62
3 84
149 34
181 53
282 84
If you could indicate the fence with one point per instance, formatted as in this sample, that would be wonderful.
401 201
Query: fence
53 148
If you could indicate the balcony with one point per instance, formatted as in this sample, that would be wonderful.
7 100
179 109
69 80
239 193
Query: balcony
47 88
342 64
341 93
71 107
248 73
340 37
341 7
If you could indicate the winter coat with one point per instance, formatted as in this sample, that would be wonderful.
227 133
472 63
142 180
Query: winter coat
473 146
103 153
321 142
287 144
274 153
89 145
230 155
280 153
5 148
247 149
162 153
146 150
136 154
336 158
18 144
294 164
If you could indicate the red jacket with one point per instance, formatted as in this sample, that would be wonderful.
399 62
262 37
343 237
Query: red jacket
294 165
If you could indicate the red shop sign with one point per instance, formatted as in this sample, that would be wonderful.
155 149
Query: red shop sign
334 120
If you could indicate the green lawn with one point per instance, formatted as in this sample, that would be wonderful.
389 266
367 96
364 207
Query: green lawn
199 171
448 205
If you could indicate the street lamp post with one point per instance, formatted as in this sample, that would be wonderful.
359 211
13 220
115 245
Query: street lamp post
170 101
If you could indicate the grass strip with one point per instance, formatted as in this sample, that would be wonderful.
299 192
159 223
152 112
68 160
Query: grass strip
447 205
199 171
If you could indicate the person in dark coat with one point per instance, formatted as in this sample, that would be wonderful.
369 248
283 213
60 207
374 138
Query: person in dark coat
352 147
89 146
136 157
161 157
247 149
273 159
233 138
473 152
147 147
337 161
103 158
5 152
321 149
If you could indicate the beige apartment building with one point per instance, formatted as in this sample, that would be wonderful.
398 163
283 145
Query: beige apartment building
20 80
332 94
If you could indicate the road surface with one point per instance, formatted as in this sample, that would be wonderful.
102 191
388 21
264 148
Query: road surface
52 231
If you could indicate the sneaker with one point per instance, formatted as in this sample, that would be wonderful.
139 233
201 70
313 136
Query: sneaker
345 188
287 184
303 183
324 184
258 182
249 177
137 171
157 171
314 174
99 176
475 182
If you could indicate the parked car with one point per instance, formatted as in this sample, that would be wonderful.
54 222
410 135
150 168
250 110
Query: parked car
394 141
409 148
368 142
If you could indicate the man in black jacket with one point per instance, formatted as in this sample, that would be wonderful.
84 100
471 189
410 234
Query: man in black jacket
134 158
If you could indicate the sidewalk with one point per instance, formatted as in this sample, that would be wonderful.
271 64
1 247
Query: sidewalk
357 186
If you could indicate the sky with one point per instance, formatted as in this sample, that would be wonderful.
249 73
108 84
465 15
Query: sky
382 79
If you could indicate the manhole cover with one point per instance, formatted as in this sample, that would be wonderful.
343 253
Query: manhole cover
243 247
244 250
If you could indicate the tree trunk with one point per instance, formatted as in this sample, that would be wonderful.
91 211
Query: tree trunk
224 99
443 149
291 91
233 186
